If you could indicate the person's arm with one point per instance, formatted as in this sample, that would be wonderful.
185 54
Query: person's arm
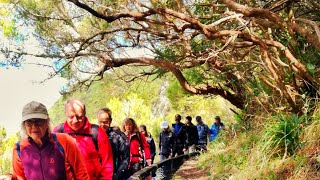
211 129
152 148
208 132
160 142
17 165
196 135
222 126
105 154
73 157
183 132
124 151
172 143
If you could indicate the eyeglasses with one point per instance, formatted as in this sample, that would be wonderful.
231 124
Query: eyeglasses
36 122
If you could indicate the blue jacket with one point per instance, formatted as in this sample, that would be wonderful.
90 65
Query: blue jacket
203 132
215 129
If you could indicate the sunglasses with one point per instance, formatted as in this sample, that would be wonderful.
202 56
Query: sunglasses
36 122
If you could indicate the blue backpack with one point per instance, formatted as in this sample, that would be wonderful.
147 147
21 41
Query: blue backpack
54 136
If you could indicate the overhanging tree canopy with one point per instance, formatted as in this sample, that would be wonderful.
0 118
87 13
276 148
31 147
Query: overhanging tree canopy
239 50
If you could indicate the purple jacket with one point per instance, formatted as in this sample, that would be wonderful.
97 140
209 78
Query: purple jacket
46 162
58 158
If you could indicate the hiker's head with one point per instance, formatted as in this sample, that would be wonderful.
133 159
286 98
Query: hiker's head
177 118
143 130
75 112
129 126
164 126
188 119
199 119
35 120
217 119
104 118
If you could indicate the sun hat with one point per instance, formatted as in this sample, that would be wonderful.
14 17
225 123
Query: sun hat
164 124
34 110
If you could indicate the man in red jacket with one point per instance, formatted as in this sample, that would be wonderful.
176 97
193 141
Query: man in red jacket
92 141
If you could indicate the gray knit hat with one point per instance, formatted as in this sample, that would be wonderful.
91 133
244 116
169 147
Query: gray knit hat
34 110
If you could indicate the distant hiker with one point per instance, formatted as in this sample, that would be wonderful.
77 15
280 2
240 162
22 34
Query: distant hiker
215 128
180 137
150 140
166 141
119 144
139 147
192 136
92 141
203 133
45 155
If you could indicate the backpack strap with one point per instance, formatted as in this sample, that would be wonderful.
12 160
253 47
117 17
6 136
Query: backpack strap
60 128
142 150
94 133
54 136
140 143
18 148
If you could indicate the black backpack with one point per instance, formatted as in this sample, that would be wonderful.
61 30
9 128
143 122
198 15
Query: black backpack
93 134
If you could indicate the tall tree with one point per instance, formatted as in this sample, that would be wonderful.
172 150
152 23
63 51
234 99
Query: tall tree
240 50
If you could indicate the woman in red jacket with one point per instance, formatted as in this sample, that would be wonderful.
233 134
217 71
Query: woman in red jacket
139 147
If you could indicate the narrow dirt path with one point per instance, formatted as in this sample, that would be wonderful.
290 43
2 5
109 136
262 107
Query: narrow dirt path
189 171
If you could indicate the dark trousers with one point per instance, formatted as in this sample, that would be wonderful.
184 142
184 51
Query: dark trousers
178 150
134 167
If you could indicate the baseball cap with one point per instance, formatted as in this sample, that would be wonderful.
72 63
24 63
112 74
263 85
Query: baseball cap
34 110
164 124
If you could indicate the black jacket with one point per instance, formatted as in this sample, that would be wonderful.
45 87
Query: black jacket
180 136
166 143
152 146
120 151
191 134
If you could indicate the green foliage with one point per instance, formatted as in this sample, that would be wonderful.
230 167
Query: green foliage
8 28
306 53
7 24
258 153
227 156
194 75
135 107
175 92
193 105
199 44
206 13
170 53
282 137
6 148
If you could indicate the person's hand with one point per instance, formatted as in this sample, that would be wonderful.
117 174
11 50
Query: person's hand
148 162
6 177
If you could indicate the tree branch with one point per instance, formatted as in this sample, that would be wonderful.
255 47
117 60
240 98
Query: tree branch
109 19
168 66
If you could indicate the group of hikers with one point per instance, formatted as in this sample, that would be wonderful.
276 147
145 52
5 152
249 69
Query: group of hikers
77 149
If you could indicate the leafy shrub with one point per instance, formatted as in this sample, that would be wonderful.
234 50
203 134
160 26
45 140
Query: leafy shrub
282 137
